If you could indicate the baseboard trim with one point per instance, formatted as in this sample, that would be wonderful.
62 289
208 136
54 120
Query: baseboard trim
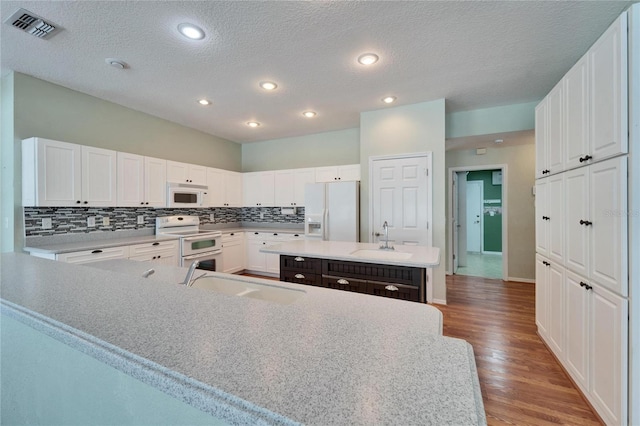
439 301
492 252
522 280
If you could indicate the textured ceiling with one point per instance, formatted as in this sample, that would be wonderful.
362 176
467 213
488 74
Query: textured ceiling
473 54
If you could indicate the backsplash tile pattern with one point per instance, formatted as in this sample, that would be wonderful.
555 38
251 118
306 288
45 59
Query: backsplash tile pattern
74 219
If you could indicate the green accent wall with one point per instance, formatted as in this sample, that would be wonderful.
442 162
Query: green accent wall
492 217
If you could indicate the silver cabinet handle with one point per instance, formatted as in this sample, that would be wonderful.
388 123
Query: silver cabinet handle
391 288
343 281
299 276
299 259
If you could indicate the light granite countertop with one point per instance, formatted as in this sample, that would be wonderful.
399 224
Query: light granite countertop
58 248
329 358
419 256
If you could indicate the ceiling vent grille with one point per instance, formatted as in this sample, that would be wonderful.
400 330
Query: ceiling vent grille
32 24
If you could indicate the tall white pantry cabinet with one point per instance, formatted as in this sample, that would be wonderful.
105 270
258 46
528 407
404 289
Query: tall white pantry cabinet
588 221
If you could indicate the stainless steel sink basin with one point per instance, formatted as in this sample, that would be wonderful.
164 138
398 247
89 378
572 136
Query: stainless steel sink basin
382 254
231 287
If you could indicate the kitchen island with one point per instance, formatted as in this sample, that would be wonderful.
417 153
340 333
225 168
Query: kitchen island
399 273
323 359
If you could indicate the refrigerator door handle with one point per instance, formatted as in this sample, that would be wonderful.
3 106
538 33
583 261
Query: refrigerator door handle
325 222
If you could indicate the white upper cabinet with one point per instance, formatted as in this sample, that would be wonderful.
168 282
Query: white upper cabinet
556 218
258 189
333 173
542 215
289 186
555 136
576 212
608 86
541 139
141 181
225 188
63 174
576 114
186 173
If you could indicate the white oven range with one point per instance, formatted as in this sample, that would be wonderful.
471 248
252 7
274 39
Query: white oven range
195 244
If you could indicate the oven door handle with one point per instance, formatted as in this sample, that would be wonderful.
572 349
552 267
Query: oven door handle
201 238
201 255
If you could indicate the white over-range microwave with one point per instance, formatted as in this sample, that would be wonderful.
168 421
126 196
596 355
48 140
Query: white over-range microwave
185 194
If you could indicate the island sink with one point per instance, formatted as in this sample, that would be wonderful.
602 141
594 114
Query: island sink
382 254
230 287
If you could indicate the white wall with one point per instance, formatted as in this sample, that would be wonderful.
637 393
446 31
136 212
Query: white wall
406 129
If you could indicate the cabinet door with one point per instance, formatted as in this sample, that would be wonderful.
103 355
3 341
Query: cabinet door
326 174
556 303
216 192
233 189
97 255
233 256
555 223
542 294
284 192
99 177
197 175
349 172
608 208
301 178
609 92
577 209
576 114
542 224
555 142
251 189
256 260
59 172
177 172
577 329
541 138
155 182
608 355
130 180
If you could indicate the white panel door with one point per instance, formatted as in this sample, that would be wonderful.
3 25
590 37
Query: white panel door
576 213
577 327
130 180
555 141
542 224
576 114
608 207
59 173
475 195
542 295
556 309
155 182
556 220
455 222
609 92
99 177
541 138
400 197
608 355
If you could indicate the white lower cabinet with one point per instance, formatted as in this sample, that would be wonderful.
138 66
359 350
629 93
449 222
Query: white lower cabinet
550 296
96 255
233 252
164 252
266 263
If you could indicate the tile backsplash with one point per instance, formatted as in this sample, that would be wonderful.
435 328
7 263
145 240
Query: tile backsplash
74 220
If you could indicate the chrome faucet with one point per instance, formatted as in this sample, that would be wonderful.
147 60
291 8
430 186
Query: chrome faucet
147 273
386 246
188 280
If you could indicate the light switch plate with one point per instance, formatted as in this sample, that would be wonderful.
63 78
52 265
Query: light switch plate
105 221
141 220
46 223
91 221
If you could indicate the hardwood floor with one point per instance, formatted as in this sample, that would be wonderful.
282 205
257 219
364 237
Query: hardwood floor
521 382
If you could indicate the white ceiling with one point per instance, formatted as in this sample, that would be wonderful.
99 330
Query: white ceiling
473 54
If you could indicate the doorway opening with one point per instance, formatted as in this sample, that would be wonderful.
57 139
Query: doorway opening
478 221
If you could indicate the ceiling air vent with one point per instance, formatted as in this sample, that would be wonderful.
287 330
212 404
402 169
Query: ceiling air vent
32 24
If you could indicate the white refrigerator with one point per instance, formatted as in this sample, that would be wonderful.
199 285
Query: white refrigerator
332 211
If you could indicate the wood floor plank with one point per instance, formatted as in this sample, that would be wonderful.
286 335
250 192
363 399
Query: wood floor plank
521 382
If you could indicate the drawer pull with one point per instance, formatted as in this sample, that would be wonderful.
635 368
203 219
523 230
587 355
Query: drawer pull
299 259
343 281
391 288
155 244
299 276
96 251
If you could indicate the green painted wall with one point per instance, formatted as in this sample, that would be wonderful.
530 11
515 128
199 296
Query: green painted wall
320 149
492 224
486 121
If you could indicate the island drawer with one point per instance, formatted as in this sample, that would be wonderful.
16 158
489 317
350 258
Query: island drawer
300 277
300 263
342 283
394 290
369 271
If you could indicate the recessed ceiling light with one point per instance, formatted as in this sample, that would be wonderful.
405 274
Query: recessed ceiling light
268 85
191 31
498 141
253 124
309 114
389 99
204 102
368 58
116 63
